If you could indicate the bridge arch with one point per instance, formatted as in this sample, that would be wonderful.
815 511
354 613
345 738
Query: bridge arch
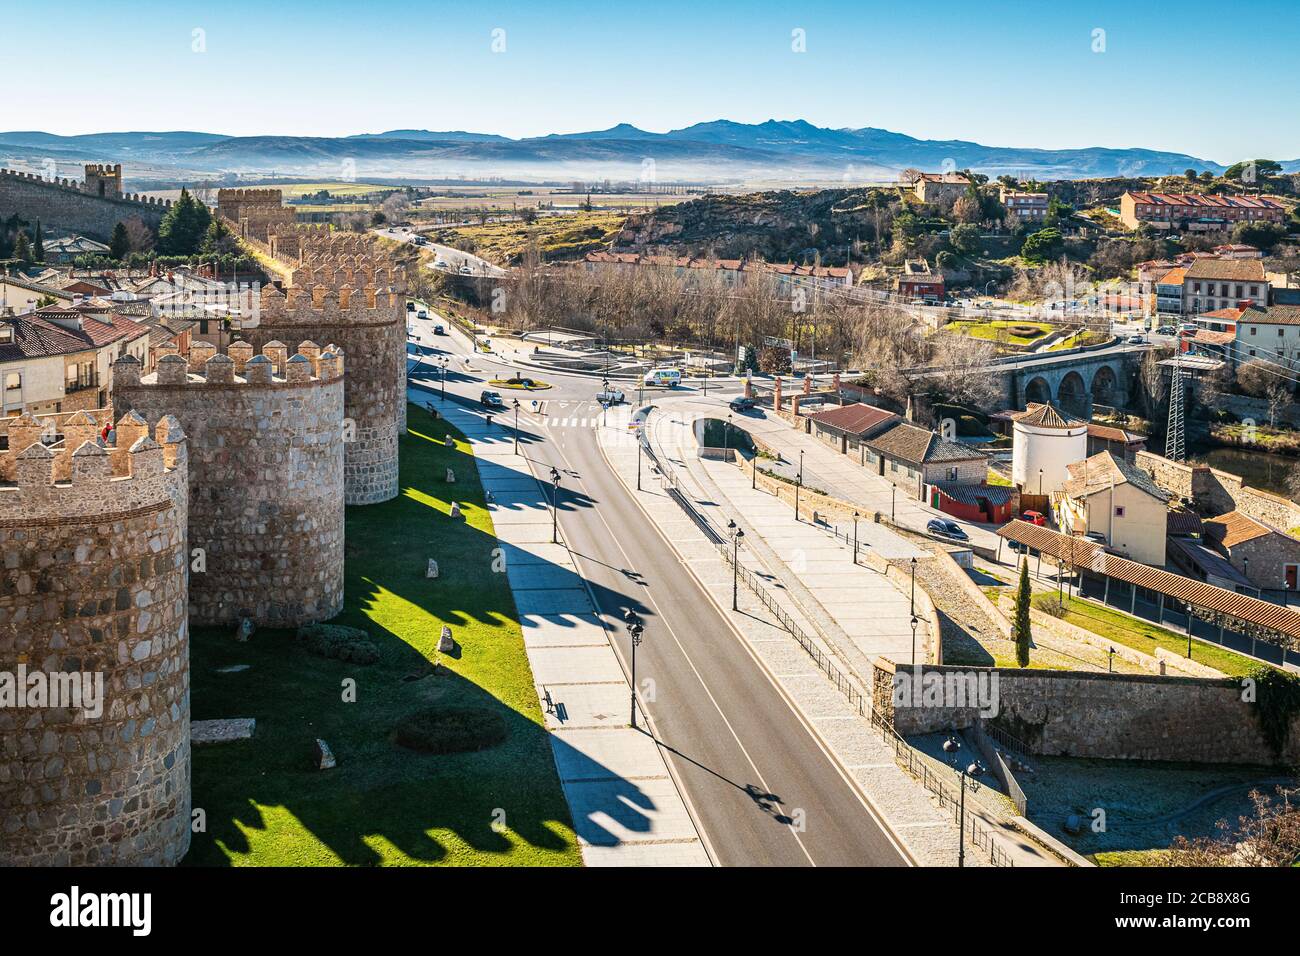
1038 391
1105 386
1072 395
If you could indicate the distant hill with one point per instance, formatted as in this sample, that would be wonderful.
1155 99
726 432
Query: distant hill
713 151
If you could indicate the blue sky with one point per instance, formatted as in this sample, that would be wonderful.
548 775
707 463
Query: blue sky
1005 74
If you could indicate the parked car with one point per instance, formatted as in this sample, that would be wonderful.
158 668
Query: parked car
610 396
742 404
1034 517
491 399
946 529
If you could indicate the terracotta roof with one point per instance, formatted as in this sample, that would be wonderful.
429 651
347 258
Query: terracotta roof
1173 277
1207 202
1232 529
1235 270
35 339
1271 315
1114 433
99 327
853 419
1103 470
1048 416
945 178
1208 337
1281 620
915 445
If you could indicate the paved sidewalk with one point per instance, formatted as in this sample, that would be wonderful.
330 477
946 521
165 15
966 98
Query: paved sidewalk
626 808
910 812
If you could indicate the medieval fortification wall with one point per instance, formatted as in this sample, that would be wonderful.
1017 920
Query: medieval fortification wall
91 208
266 447
93 582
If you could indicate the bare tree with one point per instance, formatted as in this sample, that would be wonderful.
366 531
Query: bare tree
1270 836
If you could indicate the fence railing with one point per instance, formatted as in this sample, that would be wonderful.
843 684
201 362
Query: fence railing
924 772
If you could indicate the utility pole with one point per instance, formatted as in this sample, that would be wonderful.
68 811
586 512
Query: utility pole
1175 437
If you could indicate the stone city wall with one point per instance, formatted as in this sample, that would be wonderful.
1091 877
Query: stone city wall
1214 492
266 442
93 580
66 205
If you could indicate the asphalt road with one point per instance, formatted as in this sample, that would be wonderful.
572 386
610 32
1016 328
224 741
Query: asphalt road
762 789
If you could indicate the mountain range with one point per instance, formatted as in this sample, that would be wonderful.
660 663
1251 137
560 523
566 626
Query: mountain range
721 150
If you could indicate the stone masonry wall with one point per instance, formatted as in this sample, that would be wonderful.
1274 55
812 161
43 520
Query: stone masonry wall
1215 492
370 327
63 205
1115 716
266 475
93 579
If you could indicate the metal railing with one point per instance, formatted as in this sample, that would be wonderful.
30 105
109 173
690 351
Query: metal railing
860 702
922 769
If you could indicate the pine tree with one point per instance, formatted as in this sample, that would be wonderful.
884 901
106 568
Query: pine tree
23 248
182 229
120 245
38 250
1020 624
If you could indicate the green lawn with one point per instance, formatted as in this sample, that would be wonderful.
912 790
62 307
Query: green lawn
266 804
1140 635
993 331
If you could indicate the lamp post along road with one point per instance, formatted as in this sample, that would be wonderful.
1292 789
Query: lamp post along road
555 506
855 537
913 587
516 426
952 747
634 630
737 535
798 484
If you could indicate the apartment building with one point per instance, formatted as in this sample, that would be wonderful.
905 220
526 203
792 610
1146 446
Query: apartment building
1211 284
1196 213
1023 206
1111 498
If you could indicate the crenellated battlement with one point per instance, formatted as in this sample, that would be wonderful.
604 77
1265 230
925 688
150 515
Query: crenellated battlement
79 475
323 306
89 189
238 365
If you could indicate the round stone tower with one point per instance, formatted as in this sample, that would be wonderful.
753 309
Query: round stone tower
266 439
1045 441
94 648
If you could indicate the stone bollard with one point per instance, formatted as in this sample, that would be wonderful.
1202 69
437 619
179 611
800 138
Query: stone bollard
749 387
776 395
449 442
245 629
446 644
451 476
455 510
794 405
807 383
432 570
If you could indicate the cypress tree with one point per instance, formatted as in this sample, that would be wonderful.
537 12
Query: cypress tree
38 249
1020 624
119 245
23 248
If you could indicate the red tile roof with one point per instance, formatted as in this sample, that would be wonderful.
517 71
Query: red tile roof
853 419
1208 202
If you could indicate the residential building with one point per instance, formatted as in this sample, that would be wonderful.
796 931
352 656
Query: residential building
1195 212
847 426
58 359
940 187
1169 291
1210 284
1108 496
730 272
19 295
1112 438
1238 250
69 248
1268 332
1267 557
1024 207
912 457
916 281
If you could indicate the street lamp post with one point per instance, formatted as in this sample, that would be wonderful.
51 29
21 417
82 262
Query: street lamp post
443 363
1189 630
726 439
914 623
893 496
1040 481
914 587
555 513
638 462
798 484
516 426
952 746
855 537
737 534
634 629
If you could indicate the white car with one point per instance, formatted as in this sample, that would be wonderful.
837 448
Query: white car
611 396
466 271
441 264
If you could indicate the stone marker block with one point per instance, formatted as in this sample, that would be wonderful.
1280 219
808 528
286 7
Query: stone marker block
432 570
244 630
449 442
446 643
455 510
221 731
451 477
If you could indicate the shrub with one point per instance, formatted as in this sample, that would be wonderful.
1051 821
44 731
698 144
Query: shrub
1277 703
339 642
449 730
1050 604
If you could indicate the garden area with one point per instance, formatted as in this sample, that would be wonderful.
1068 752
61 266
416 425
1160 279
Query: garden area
441 757
1001 332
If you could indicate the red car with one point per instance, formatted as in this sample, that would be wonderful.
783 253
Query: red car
1034 517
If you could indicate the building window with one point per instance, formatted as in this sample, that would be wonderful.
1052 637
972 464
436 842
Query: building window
1119 511
952 474
13 381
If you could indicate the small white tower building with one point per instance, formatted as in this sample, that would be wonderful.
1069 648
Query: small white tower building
1046 440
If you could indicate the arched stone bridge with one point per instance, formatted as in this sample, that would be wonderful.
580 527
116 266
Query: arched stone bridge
1075 382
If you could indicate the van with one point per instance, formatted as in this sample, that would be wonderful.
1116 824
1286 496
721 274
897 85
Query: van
663 377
